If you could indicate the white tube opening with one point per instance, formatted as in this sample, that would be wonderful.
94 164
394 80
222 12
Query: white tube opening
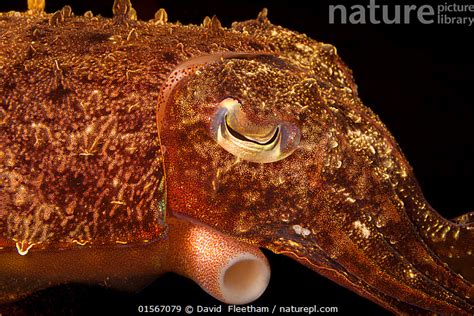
244 279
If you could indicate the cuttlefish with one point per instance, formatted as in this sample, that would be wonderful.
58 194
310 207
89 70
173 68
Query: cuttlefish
131 148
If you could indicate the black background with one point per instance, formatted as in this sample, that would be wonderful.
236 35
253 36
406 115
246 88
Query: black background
417 78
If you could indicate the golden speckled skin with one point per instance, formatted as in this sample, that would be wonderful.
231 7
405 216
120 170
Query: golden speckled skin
79 150
80 157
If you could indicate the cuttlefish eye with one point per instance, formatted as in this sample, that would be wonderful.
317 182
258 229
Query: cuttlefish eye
261 143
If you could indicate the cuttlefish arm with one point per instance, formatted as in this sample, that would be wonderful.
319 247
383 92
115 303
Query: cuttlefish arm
280 152
452 242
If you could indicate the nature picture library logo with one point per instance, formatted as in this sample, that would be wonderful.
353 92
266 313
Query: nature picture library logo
375 13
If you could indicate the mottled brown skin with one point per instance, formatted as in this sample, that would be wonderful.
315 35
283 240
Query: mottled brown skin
80 156
84 154
79 102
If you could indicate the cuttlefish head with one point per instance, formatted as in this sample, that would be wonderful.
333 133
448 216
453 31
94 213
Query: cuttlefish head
285 156
247 137
245 140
